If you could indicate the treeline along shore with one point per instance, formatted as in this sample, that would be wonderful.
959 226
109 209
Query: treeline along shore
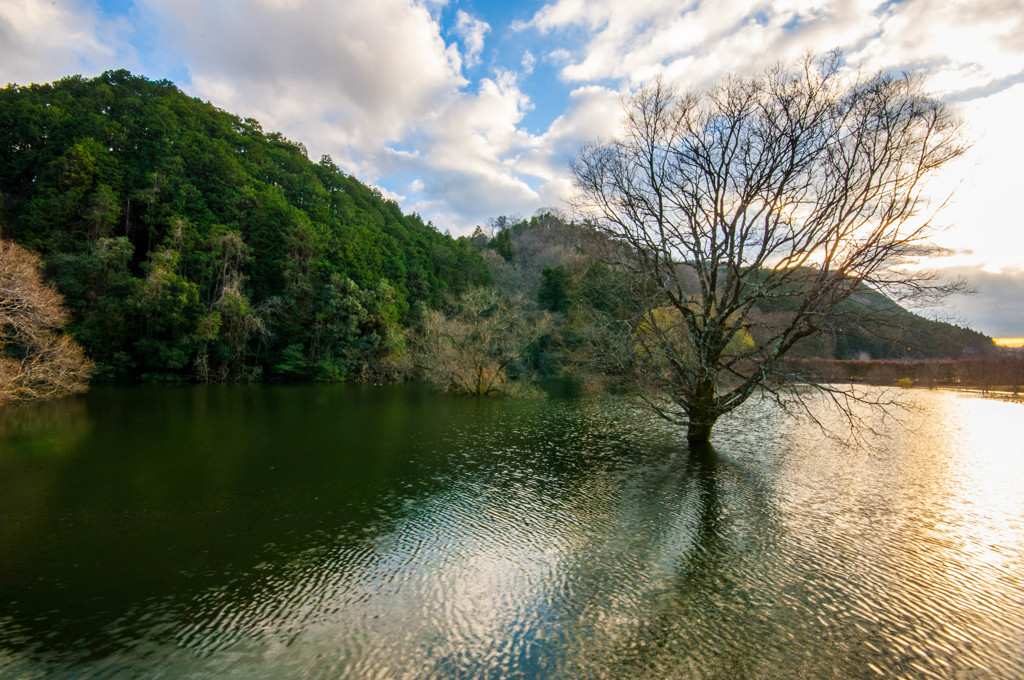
999 371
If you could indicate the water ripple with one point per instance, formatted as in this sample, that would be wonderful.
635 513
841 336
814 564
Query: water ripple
575 539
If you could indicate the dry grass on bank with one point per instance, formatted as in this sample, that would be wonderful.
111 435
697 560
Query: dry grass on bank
995 372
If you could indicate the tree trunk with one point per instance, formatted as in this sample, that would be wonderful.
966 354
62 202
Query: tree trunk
702 413
699 431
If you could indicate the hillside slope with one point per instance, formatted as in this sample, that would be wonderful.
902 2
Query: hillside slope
549 258
188 242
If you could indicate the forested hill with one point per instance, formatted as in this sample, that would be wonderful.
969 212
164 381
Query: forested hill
189 243
546 258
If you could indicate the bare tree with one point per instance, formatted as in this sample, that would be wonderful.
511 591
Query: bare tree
472 349
36 360
757 214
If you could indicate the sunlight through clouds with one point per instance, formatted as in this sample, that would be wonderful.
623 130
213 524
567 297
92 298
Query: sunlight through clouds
984 183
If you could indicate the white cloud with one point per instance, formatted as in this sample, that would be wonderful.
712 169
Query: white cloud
478 163
983 216
342 77
467 165
41 41
472 32
634 40
593 112
966 44
374 82
997 308
528 62
971 52
559 56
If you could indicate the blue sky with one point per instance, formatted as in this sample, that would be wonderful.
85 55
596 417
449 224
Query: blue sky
463 110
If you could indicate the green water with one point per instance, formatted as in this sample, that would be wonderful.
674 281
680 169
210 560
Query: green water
391 532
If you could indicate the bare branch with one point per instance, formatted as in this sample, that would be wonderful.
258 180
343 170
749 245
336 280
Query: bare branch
762 211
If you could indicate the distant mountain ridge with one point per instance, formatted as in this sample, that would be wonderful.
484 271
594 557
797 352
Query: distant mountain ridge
893 332
546 253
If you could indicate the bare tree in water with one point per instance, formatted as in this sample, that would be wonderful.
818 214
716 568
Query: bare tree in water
474 348
758 215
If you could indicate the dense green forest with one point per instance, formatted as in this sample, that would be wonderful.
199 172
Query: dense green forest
189 244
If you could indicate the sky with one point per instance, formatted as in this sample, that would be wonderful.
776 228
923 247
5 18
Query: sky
463 110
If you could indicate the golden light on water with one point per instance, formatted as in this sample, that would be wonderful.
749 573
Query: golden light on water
983 480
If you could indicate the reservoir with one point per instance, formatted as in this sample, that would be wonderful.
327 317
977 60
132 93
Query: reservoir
394 532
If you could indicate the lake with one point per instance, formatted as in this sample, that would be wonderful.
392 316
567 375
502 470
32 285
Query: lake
391 532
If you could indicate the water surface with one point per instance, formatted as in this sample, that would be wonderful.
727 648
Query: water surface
391 532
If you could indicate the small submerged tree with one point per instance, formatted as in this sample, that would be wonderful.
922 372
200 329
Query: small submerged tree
37 361
753 216
477 347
